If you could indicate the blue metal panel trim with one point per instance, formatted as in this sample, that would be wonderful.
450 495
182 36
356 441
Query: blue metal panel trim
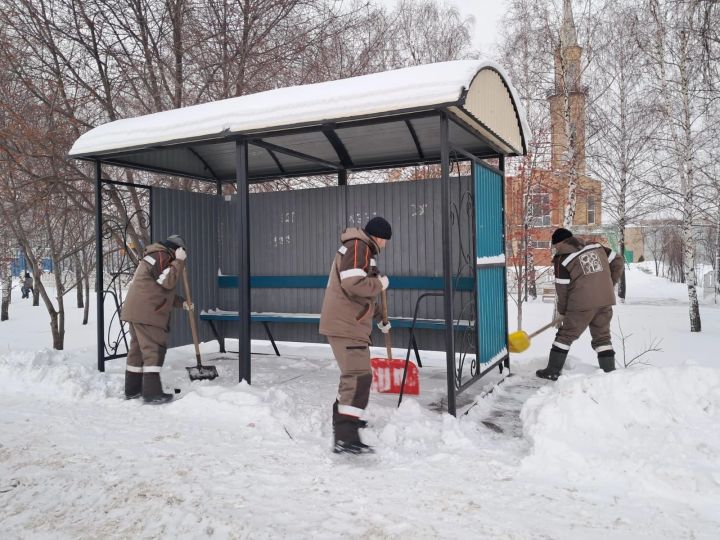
430 283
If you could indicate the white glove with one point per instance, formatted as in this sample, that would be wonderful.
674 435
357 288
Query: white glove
180 254
384 328
559 321
384 281
188 307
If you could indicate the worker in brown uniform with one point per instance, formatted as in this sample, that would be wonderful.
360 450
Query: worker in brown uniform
585 277
147 307
348 309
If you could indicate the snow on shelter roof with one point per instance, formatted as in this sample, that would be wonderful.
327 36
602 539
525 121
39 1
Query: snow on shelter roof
198 141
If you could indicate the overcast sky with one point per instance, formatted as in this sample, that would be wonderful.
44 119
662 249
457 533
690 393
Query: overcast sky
487 15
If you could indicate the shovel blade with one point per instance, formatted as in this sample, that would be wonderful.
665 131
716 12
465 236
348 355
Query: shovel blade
518 341
387 376
202 373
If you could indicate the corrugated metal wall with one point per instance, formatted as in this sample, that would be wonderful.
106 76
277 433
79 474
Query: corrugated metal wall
194 217
491 296
297 233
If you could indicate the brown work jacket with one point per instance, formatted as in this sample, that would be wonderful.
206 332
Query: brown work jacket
151 296
349 305
585 275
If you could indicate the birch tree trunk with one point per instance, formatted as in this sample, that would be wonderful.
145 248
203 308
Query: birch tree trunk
6 279
688 188
36 288
677 102
570 159
622 199
717 256
57 317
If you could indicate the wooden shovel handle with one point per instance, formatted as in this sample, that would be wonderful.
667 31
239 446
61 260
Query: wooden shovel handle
541 330
383 302
191 312
388 340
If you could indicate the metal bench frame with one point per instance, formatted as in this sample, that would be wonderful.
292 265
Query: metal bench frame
316 282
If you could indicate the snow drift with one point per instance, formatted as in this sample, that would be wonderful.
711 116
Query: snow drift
625 431
55 375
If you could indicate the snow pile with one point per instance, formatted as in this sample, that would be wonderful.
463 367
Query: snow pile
252 411
412 429
649 432
54 374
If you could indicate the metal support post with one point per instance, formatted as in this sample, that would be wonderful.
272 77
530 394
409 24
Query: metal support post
501 166
447 260
99 285
243 209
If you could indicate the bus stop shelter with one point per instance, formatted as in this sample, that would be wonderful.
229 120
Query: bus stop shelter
442 114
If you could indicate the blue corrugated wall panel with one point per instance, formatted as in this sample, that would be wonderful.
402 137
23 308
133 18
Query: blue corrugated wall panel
491 294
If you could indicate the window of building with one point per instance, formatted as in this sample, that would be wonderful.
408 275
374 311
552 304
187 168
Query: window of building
540 244
539 207
591 210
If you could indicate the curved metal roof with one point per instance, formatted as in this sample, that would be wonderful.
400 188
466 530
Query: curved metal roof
378 120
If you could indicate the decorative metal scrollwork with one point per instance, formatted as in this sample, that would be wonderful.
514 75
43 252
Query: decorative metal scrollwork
125 231
462 223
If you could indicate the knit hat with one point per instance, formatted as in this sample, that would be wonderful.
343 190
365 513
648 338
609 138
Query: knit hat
559 235
175 241
379 228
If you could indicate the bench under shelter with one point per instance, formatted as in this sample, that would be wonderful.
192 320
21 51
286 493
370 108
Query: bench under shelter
259 260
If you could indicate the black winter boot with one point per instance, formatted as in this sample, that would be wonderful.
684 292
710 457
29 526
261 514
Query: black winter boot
133 385
606 359
355 447
556 361
152 389
346 436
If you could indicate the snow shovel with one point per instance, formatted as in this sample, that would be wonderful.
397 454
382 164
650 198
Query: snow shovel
388 372
520 341
197 372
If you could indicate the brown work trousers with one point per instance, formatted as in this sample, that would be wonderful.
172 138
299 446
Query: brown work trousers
353 358
576 322
148 345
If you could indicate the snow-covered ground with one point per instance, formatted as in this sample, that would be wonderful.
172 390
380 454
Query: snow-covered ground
632 454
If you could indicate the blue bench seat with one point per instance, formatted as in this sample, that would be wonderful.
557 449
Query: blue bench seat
314 318
428 283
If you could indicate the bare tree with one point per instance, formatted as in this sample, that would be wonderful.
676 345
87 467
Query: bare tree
69 65
653 239
671 42
423 32
653 345
528 59
622 116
